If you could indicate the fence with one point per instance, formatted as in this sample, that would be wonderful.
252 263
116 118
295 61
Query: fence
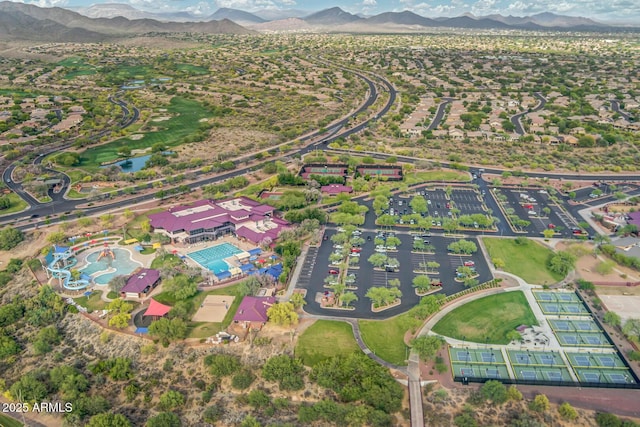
494 283
466 380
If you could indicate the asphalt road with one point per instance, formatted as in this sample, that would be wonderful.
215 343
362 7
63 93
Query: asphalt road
515 119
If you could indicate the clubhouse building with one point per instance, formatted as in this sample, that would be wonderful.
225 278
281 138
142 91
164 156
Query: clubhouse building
208 220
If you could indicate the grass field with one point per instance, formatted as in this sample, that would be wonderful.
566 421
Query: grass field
436 175
205 329
9 422
488 319
386 337
528 261
325 339
93 302
185 120
17 204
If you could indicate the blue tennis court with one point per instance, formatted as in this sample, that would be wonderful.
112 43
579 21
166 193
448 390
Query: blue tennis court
463 356
523 358
488 357
492 373
528 375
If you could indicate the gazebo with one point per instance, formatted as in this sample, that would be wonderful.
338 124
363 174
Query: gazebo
157 309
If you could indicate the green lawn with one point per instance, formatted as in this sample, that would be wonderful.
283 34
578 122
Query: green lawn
528 260
487 319
205 329
436 175
93 302
185 121
385 338
9 422
325 339
17 204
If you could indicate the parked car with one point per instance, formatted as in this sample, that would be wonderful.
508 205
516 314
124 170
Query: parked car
338 246
356 250
325 237
551 226
333 271
469 263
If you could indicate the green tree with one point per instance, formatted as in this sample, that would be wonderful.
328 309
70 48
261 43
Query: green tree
548 233
242 380
567 411
164 419
631 329
494 391
258 399
170 400
612 319
422 283
212 414
168 329
347 298
540 403
107 419
288 371
513 393
283 313
377 260
562 262
222 365
427 346
297 300
419 204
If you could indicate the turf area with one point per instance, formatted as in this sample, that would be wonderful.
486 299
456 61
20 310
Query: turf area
325 339
528 260
385 338
93 302
17 204
488 319
185 121
9 422
435 175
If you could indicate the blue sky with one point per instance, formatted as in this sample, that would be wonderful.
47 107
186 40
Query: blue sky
604 10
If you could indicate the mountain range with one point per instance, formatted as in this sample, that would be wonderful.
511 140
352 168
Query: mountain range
19 21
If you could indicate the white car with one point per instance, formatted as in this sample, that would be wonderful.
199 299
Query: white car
381 250
356 233
354 254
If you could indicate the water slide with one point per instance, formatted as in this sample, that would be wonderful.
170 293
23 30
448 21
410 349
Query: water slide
65 274
67 283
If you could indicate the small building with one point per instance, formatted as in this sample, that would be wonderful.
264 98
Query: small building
140 284
252 312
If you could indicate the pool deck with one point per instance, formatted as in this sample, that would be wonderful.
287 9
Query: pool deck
186 249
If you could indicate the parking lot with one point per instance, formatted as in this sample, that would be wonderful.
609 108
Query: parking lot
316 268
536 207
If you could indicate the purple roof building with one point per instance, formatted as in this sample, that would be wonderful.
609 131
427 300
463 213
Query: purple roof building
253 310
141 283
208 220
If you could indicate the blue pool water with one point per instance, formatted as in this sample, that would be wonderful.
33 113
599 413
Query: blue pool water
123 265
213 258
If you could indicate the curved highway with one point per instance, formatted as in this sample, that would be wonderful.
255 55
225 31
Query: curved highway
128 118
67 206
515 119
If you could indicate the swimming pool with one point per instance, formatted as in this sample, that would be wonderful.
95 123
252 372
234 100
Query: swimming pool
99 270
213 258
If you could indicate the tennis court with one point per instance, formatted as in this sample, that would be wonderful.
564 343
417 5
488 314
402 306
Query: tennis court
535 358
591 360
477 371
563 308
481 356
542 374
605 376
573 325
582 339
557 296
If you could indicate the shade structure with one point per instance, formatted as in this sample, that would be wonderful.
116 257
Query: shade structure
157 309
157 245
138 248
